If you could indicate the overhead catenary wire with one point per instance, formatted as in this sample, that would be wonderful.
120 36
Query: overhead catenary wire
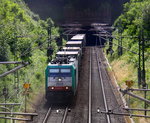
121 46
108 34
31 44
125 48
37 47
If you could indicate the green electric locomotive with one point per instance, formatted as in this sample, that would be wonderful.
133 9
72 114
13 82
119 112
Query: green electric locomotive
62 74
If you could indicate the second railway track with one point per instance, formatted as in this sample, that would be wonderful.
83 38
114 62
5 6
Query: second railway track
101 96
102 85
96 101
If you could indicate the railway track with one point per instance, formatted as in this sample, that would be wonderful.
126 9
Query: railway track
88 109
111 99
47 115
51 116
96 91
102 86
101 97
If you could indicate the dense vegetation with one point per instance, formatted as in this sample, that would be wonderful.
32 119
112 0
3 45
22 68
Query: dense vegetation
23 37
132 25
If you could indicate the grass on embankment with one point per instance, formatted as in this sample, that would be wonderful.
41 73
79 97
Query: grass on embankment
123 71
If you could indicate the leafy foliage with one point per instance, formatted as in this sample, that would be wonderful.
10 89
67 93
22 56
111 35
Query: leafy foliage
131 25
23 37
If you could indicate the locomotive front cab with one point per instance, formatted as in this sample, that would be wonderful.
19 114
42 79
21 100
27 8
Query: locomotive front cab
60 83
60 79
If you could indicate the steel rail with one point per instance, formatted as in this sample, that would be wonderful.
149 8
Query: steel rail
90 89
65 115
103 90
47 115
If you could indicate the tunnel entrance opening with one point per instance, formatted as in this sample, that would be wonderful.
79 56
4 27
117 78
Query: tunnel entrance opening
91 38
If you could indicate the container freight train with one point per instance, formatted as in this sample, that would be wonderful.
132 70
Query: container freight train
62 73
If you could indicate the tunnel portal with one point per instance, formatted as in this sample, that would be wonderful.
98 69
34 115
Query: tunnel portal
82 11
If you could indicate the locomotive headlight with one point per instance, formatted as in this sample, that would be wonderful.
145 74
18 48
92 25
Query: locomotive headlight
59 79
67 88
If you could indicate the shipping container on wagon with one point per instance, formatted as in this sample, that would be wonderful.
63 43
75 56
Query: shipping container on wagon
72 49
67 53
79 37
74 44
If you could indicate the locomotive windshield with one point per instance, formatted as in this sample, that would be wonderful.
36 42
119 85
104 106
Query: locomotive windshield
59 72
54 70
65 70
